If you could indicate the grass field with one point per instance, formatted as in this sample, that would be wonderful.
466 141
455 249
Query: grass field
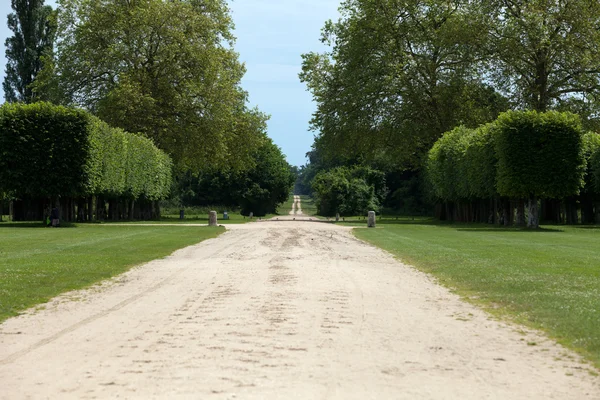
306 202
547 279
308 206
286 207
37 264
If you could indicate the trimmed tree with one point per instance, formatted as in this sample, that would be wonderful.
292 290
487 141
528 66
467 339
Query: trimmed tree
540 155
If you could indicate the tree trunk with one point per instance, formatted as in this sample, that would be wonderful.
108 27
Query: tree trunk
521 212
533 220
571 211
90 209
131 209
157 210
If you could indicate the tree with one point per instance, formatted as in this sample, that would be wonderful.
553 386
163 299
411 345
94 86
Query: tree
540 155
545 52
34 29
259 189
165 69
400 73
349 191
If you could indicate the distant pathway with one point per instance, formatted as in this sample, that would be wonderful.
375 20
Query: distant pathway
297 206
278 310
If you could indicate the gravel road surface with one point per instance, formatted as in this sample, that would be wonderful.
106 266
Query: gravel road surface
278 310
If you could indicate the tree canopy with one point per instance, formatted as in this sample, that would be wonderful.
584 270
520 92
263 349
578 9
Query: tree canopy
33 26
398 74
166 69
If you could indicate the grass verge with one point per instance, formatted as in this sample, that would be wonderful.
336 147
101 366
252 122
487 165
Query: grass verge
547 279
37 264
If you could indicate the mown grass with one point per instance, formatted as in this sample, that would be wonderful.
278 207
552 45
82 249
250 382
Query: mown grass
199 215
306 203
39 263
308 206
547 279
286 208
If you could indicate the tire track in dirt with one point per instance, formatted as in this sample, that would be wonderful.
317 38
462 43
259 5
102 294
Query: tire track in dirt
279 310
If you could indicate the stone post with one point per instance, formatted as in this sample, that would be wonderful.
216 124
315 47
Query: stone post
212 218
337 217
251 215
371 219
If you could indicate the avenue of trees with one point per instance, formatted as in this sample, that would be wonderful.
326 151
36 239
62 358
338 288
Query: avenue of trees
488 173
166 71
399 74
52 152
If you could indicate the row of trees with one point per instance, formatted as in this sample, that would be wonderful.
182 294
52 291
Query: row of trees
522 157
52 155
398 74
259 189
164 69
348 191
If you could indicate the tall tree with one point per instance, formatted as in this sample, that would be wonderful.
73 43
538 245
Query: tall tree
166 69
34 30
546 53
400 73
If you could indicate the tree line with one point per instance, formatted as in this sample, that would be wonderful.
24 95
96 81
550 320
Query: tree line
399 74
167 71
497 171
53 156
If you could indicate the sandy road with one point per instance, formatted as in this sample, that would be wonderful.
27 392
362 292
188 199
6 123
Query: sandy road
278 310
296 206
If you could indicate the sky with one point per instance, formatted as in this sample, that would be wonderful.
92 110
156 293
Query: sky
271 36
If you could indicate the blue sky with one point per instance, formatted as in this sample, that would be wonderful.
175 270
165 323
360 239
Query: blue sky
271 36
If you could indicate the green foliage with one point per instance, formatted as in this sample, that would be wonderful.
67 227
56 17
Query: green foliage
591 142
349 191
446 169
268 184
127 165
543 52
481 163
165 69
50 151
539 154
521 154
43 150
34 30
258 189
399 74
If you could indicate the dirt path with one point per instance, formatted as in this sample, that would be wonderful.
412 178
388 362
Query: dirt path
296 206
278 310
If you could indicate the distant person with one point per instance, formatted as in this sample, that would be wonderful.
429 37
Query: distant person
54 217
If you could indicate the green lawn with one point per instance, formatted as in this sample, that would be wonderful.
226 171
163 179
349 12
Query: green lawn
286 207
547 279
37 264
308 206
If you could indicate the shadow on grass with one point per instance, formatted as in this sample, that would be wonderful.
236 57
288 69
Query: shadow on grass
589 227
505 229
30 225
426 221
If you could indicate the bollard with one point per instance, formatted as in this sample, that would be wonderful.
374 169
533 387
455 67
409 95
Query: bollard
212 218
251 215
371 219
337 217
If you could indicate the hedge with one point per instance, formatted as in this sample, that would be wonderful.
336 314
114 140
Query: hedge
521 156
43 150
50 152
